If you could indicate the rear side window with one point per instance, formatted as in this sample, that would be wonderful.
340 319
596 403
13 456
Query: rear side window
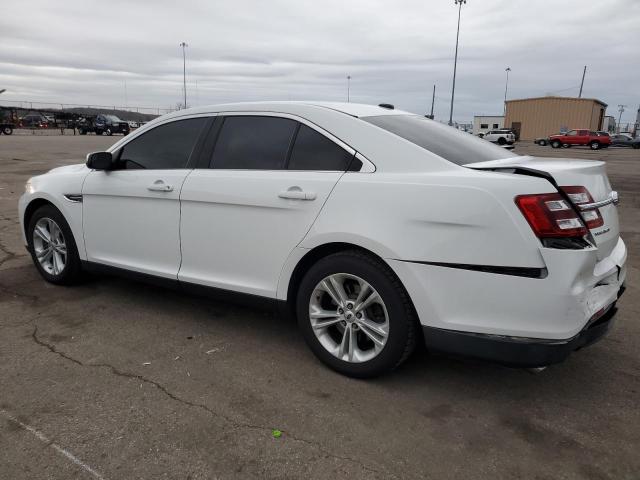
314 151
447 142
253 143
167 146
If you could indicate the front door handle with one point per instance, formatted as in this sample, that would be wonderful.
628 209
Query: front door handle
159 186
296 193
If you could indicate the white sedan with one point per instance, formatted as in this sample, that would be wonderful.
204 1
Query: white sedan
375 227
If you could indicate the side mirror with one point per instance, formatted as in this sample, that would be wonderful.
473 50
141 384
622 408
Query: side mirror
100 161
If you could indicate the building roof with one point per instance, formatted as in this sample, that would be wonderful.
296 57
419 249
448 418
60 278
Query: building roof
554 97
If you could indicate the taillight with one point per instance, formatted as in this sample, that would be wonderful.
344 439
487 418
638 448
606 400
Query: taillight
551 216
580 196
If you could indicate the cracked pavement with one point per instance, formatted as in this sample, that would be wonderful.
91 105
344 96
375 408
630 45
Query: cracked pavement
141 382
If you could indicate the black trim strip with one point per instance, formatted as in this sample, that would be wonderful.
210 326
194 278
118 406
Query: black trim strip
528 272
230 296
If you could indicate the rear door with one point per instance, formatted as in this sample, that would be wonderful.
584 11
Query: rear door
254 199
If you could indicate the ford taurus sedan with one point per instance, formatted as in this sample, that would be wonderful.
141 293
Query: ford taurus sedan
378 229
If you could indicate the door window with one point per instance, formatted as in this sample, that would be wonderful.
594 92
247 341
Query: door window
314 151
572 133
253 143
167 146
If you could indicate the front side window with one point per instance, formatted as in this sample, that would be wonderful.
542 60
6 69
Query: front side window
572 133
442 140
314 151
167 146
253 143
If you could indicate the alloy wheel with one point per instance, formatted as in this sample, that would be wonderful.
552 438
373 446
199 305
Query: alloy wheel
349 318
49 246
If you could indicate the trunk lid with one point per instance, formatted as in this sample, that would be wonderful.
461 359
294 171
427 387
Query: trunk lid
590 174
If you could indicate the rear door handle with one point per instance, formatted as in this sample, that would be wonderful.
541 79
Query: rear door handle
296 193
160 186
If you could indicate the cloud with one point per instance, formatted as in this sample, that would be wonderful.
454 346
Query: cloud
81 52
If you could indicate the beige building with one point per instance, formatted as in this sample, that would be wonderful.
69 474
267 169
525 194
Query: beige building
532 118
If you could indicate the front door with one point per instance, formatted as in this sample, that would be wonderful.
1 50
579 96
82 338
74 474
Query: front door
131 215
266 182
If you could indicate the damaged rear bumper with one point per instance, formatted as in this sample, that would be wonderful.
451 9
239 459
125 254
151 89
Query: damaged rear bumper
519 351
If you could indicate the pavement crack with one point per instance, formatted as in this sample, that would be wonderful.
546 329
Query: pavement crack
234 423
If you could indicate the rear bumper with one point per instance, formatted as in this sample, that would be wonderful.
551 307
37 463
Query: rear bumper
518 351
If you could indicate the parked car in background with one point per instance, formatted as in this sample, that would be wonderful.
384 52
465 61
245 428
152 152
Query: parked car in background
502 136
6 128
579 137
542 141
624 140
103 124
34 120
354 246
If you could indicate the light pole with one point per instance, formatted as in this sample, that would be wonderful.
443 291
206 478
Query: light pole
620 109
348 88
184 71
455 60
506 85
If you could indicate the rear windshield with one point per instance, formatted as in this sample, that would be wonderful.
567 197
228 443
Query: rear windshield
449 143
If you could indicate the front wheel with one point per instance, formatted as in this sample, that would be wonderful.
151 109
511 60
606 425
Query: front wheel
109 132
594 145
7 130
502 141
355 314
635 146
52 246
556 144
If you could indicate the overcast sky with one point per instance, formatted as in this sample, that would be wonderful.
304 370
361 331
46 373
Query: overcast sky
83 52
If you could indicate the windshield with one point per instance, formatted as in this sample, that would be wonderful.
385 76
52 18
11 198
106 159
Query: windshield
112 118
447 142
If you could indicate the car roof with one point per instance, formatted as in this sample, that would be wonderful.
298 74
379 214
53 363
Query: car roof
296 107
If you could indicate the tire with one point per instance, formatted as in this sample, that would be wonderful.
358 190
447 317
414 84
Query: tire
502 141
635 146
82 132
51 270
594 145
556 144
109 132
542 143
393 315
7 130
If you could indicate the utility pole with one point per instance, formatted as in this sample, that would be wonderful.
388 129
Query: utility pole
506 85
620 109
348 88
582 82
184 71
455 60
433 100
126 103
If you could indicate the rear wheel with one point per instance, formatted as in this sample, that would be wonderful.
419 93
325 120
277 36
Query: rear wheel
355 315
636 145
556 144
7 130
109 132
594 145
502 141
52 246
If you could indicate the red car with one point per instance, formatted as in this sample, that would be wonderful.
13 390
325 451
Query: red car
580 137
